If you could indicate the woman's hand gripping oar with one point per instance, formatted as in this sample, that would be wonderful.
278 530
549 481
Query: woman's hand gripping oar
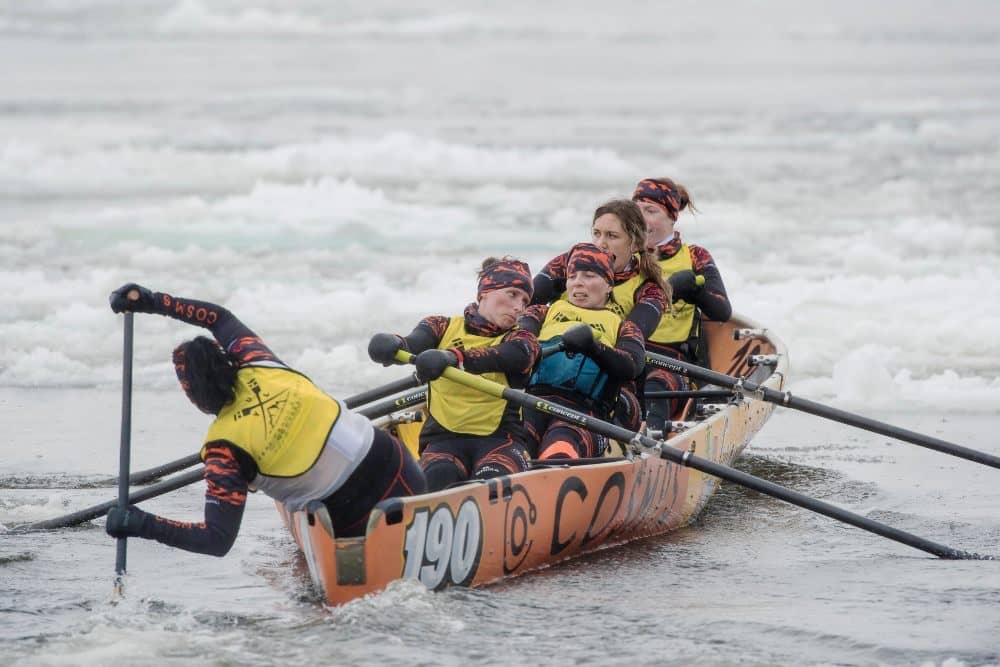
785 398
87 514
364 398
685 458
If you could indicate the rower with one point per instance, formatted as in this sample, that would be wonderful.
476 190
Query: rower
697 287
274 431
639 295
595 352
468 434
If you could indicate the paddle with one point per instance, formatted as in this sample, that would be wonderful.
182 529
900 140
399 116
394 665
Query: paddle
688 459
174 483
785 398
365 397
125 448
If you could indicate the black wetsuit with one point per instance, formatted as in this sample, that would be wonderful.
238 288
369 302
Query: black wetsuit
448 457
650 302
552 437
713 303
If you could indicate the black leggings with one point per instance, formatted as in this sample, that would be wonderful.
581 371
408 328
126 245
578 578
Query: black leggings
387 471
553 438
455 458
661 411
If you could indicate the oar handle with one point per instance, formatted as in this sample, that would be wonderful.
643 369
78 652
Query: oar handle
468 379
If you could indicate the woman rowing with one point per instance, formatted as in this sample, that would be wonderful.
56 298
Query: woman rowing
274 431
639 294
696 285
469 435
595 352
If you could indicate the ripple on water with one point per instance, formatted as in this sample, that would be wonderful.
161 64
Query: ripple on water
20 557
55 481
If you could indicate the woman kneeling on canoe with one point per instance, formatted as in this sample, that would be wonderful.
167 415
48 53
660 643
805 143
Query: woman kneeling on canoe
588 373
678 334
639 294
470 435
275 431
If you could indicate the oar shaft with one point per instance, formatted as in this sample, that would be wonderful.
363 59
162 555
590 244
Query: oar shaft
169 468
812 504
687 459
786 399
96 511
401 403
125 448
874 426
704 393
731 474
375 394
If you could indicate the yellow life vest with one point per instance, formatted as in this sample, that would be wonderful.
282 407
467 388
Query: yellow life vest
623 295
304 442
675 327
577 373
563 314
456 407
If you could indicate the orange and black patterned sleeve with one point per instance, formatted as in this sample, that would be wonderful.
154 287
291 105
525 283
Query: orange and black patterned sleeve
627 358
234 336
426 335
515 357
550 282
226 477
650 304
533 317
712 297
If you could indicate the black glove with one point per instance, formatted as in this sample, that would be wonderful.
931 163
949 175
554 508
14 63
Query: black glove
431 364
383 347
579 338
684 285
121 303
126 522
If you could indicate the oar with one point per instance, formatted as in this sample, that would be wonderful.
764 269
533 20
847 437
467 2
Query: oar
785 398
391 405
688 459
95 511
146 476
125 448
80 516
703 393
365 397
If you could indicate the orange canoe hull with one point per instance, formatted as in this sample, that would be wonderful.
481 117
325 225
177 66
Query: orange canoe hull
483 532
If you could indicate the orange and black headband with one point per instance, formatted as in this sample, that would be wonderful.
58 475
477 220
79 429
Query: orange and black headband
660 193
503 274
588 257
